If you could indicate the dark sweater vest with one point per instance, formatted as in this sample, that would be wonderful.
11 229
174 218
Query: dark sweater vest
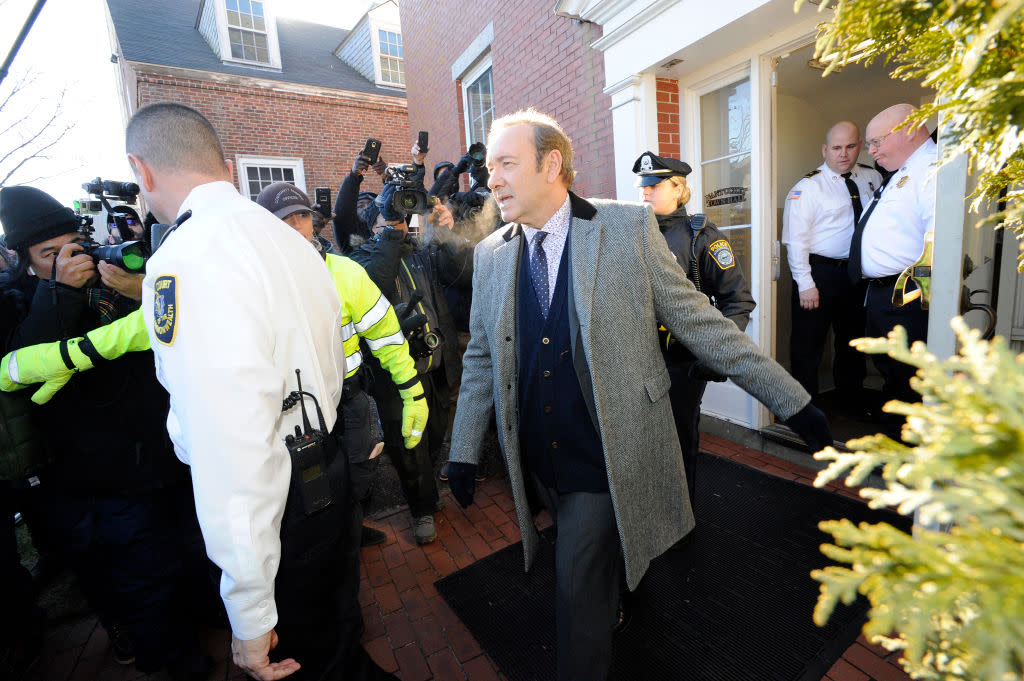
557 437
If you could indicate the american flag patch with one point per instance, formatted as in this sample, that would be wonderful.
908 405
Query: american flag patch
793 195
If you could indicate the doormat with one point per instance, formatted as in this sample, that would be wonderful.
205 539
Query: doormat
733 604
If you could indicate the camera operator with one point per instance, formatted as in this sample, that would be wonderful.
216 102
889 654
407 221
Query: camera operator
121 504
402 267
350 226
446 174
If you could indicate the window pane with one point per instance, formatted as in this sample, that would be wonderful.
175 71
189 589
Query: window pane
232 18
252 173
257 8
725 121
259 24
243 6
289 175
261 41
262 55
232 4
246 20
254 189
264 174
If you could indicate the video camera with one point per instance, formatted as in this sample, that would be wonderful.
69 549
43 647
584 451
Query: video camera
407 196
130 255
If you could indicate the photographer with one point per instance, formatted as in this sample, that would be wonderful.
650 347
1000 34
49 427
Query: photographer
121 506
446 174
402 267
350 227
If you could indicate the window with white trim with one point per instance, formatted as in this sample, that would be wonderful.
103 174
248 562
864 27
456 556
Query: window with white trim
255 173
391 57
478 101
247 30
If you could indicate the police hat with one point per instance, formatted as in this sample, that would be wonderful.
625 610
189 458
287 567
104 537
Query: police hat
282 199
653 169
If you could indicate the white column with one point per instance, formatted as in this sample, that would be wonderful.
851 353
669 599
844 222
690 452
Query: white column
634 128
948 253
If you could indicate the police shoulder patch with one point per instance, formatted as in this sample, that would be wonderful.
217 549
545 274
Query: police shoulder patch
165 308
813 172
721 251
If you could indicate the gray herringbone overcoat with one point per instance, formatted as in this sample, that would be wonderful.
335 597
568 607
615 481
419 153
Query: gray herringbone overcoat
623 281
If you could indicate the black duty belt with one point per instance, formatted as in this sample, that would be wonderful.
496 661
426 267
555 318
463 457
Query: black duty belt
883 281
823 260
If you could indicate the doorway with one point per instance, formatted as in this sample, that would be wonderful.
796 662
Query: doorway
805 105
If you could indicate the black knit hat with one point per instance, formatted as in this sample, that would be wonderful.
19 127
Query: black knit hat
31 216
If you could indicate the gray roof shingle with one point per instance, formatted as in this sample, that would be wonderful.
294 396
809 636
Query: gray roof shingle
165 33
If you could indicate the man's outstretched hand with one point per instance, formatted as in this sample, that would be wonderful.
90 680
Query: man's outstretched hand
253 657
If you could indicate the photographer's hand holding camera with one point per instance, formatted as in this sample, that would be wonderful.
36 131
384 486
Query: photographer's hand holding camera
350 227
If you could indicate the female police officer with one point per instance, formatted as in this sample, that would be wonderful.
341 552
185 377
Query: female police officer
706 256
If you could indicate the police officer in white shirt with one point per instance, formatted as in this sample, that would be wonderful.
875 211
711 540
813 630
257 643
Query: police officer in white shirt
235 302
891 235
817 225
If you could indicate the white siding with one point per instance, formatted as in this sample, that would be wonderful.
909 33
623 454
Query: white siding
208 26
358 52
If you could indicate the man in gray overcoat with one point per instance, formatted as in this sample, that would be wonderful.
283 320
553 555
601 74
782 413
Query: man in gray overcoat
564 352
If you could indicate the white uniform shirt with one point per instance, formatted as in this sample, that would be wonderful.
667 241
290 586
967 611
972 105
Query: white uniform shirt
818 217
894 235
557 228
235 301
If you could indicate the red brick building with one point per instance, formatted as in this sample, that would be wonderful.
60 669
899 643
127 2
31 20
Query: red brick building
291 100
469 62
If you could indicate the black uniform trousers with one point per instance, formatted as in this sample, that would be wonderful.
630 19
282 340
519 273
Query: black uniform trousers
882 317
685 394
415 470
316 590
841 307
588 578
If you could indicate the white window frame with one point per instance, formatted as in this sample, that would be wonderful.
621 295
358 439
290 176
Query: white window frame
375 28
244 162
468 80
273 47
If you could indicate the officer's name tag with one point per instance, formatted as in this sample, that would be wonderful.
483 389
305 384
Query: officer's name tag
165 308
721 251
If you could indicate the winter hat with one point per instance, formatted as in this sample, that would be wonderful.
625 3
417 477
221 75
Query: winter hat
31 216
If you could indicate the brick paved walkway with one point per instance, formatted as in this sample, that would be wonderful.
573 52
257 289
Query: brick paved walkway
410 630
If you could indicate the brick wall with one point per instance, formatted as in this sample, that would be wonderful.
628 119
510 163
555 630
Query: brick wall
537 58
667 95
325 131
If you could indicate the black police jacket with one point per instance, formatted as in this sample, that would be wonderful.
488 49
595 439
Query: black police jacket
724 283
399 265
107 428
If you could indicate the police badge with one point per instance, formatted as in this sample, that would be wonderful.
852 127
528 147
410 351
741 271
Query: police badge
903 181
165 308
645 164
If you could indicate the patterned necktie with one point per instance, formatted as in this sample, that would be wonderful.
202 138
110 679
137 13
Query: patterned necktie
539 273
851 187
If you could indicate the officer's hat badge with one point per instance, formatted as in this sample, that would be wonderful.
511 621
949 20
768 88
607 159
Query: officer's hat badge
645 164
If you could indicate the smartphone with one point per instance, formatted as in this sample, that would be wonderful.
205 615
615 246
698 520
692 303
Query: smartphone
371 150
323 200
421 141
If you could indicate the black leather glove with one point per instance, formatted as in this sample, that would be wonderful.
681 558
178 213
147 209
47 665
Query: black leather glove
462 482
810 424
464 163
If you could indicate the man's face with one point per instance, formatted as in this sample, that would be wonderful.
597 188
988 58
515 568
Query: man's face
841 149
524 193
889 148
41 256
302 222
361 205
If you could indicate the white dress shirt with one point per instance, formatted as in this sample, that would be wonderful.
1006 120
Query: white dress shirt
557 228
894 235
818 217
235 301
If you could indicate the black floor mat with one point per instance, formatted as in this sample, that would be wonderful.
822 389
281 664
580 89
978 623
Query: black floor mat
734 604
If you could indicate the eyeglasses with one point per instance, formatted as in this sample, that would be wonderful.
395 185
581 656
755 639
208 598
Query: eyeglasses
877 142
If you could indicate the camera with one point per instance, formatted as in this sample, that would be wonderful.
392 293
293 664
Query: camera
129 255
478 153
406 196
422 342
112 189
